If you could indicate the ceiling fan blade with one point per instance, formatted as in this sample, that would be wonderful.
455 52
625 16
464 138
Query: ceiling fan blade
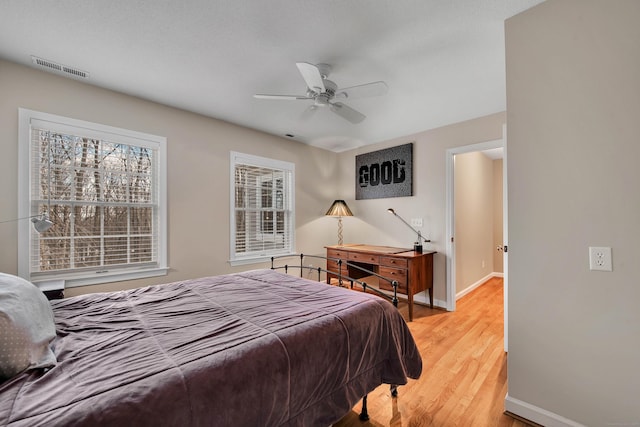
363 91
312 76
347 112
309 112
280 97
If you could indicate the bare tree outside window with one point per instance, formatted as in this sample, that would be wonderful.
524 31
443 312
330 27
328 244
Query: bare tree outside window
101 199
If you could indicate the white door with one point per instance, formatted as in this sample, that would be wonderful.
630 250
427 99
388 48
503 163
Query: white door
505 238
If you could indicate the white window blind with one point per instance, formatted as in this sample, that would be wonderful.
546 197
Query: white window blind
103 189
262 217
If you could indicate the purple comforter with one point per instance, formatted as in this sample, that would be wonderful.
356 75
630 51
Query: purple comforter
258 348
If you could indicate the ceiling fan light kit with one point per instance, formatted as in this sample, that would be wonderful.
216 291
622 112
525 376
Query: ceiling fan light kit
323 91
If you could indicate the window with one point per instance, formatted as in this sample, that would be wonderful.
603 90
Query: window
104 190
262 216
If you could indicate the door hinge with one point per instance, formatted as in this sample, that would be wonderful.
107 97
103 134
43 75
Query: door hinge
506 248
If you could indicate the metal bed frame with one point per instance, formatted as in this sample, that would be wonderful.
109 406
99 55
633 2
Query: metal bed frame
342 277
364 415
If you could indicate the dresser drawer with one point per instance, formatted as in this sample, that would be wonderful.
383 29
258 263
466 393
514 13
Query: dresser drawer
400 275
334 255
393 262
337 253
333 265
364 258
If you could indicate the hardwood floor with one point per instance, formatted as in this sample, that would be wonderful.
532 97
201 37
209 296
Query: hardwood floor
464 375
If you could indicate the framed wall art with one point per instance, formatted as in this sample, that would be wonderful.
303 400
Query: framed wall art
385 173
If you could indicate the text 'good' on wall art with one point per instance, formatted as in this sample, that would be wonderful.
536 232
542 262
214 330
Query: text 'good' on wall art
385 173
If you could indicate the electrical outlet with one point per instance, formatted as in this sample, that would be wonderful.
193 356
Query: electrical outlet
600 258
416 222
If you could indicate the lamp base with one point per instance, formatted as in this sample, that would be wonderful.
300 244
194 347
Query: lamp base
417 247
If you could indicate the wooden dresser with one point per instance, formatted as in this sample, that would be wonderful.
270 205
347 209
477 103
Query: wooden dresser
413 271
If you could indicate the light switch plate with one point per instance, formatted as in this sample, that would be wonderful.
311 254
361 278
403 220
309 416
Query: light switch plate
416 222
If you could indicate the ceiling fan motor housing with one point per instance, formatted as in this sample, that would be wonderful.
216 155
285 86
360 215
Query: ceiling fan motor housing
330 87
323 98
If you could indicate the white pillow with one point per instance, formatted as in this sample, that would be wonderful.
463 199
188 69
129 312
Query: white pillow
26 327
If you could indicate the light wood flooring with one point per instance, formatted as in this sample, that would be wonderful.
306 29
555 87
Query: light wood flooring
464 375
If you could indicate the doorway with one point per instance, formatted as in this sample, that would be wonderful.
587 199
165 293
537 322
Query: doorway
451 266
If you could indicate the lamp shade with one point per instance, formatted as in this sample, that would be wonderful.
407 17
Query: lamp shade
42 224
339 208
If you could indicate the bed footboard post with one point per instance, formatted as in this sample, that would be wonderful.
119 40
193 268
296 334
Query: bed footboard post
364 415
301 264
395 293
319 270
272 263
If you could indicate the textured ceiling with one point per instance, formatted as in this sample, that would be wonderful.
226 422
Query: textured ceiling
442 60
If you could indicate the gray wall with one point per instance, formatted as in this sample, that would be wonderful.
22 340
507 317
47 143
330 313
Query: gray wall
573 114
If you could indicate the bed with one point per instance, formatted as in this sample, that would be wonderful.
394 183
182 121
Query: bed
258 348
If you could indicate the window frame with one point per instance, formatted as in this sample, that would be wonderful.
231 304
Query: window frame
26 207
256 256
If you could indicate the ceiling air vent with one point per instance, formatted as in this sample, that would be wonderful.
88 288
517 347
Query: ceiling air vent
59 68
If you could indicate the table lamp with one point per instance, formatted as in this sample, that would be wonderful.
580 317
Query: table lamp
339 208
41 222
417 246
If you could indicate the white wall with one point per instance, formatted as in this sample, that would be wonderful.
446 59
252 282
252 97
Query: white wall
573 114
198 170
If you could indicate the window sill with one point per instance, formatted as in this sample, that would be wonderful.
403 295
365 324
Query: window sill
72 281
256 259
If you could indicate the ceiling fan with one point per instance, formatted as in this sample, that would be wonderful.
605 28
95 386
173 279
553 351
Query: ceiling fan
323 92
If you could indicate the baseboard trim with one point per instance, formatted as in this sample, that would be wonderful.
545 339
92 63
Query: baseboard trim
536 415
477 284
422 298
522 420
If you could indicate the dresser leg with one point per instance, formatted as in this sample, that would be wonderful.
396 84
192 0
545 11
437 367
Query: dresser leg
410 301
